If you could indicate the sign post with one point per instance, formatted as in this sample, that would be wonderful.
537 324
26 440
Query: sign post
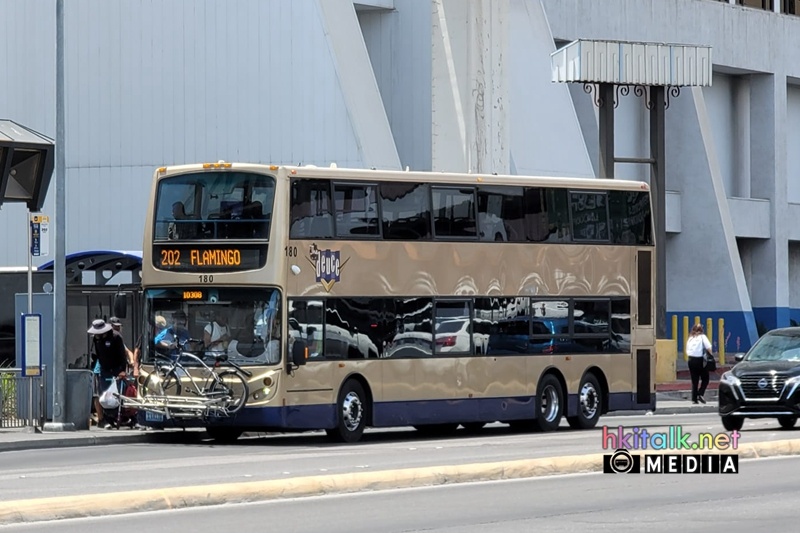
39 245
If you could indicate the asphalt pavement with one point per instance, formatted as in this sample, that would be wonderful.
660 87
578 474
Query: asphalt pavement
760 496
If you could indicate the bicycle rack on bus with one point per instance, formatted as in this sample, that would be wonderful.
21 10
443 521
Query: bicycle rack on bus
175 406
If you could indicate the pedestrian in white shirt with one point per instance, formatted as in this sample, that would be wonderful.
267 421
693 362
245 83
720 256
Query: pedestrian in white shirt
696 346
216 334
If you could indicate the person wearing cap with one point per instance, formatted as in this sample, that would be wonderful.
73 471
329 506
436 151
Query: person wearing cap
171 339
116 323
111 360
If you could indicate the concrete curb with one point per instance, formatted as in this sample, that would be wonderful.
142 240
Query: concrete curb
669 411
69 442
109 504
40 443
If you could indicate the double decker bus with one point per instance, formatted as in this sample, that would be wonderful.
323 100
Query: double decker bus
367 298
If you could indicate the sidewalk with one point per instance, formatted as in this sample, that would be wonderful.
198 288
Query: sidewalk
17 439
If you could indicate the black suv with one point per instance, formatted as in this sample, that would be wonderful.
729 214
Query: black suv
764 383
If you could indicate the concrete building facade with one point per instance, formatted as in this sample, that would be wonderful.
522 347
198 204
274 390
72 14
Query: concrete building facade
430 85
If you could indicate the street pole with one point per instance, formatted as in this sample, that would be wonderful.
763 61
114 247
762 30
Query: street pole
59 270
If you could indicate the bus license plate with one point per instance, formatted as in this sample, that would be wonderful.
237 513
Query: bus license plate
153 417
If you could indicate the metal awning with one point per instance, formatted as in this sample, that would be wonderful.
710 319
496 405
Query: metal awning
98 261
629 63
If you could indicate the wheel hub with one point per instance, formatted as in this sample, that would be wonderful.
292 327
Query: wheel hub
352 411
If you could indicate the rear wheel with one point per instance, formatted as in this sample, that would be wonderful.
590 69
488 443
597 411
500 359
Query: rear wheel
161 385
550 402
351 413
232 388
787 422
589 404
732 423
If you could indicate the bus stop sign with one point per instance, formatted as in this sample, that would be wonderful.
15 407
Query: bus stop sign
26 165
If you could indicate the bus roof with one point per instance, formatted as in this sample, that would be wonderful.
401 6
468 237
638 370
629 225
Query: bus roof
334 172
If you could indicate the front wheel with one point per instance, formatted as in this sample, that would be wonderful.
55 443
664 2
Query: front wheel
232 387
732 423
787 422
351 413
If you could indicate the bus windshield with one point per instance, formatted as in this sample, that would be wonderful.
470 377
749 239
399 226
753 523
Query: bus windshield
214 205
243 324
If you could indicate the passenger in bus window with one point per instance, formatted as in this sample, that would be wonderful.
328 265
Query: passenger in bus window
171 339
312 342
216 334
272 342
179 229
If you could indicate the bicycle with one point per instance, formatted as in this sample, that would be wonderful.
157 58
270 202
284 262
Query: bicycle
226 391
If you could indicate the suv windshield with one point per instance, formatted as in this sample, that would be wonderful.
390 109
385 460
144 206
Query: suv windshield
243 324
214 205
776 347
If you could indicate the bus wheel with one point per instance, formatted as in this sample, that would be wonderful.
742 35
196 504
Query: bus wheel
351 412
589 404
224 435
473 427
549 399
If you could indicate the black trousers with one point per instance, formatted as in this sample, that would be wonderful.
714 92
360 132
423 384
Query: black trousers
699 373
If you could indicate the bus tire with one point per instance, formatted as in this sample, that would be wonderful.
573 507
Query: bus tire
590 403
550 403
224 435
351 413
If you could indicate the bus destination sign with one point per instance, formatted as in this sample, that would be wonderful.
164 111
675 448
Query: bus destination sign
201 258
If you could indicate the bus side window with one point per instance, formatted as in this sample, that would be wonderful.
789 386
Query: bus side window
311 213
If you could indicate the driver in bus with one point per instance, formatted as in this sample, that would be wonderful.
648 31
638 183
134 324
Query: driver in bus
171 339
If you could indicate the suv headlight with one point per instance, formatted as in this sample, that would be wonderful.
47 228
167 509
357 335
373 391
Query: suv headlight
792 384
729 379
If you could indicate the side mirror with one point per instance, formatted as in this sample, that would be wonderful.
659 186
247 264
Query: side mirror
299 351
738 357
120 305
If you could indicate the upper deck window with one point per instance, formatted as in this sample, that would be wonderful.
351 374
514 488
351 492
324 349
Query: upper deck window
214 205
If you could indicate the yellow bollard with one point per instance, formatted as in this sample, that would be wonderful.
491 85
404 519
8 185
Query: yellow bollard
697 320
685 336
709 332
675 327
721 333
675 334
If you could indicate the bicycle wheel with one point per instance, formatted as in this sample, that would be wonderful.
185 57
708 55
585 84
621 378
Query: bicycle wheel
158 385
171 384
232 389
